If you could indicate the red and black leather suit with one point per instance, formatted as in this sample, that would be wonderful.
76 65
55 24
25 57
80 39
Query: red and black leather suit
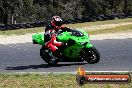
50 36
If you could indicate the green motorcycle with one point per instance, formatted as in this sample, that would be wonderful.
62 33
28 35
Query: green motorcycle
78 48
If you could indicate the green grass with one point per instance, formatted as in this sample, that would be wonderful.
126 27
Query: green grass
77 25
22 31
112 30
49 81
100 31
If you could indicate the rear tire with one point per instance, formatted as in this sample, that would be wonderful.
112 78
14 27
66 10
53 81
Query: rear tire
44 53
91 55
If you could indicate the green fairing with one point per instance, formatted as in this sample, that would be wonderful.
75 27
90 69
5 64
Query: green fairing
71 51
39 38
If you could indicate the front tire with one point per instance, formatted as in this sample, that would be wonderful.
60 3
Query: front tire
44 53
91 55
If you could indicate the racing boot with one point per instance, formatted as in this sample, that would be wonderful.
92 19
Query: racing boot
57 53
63 46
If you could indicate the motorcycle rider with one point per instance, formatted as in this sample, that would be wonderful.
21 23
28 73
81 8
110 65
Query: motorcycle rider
55 24
51 32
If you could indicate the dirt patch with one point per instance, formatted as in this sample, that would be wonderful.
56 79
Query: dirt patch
15 39
28 37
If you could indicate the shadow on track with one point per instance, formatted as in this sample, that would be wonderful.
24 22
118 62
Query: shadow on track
41 66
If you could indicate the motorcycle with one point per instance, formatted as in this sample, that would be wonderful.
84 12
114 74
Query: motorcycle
78 48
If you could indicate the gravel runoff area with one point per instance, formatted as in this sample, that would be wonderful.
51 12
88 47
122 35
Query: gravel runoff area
14 39
28 37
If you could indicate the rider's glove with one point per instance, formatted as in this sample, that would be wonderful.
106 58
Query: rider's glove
67 29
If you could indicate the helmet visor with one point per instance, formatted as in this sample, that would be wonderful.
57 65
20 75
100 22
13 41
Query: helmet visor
58 23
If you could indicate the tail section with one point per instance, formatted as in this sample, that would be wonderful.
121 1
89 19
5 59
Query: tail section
38 38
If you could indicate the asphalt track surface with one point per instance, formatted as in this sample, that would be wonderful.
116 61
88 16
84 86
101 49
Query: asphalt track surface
116 55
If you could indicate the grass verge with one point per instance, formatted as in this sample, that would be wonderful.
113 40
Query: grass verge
22 31
112 30
49 81
78 25
99 31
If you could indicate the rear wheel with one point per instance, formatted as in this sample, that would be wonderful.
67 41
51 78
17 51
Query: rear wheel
46 56
91 55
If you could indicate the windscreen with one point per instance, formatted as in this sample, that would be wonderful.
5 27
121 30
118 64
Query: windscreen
77 33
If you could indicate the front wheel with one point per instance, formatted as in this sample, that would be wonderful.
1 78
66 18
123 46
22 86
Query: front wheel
45 55
91 55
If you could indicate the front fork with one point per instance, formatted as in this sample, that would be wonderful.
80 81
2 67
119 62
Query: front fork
88 45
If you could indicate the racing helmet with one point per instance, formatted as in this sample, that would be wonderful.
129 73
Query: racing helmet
57 21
